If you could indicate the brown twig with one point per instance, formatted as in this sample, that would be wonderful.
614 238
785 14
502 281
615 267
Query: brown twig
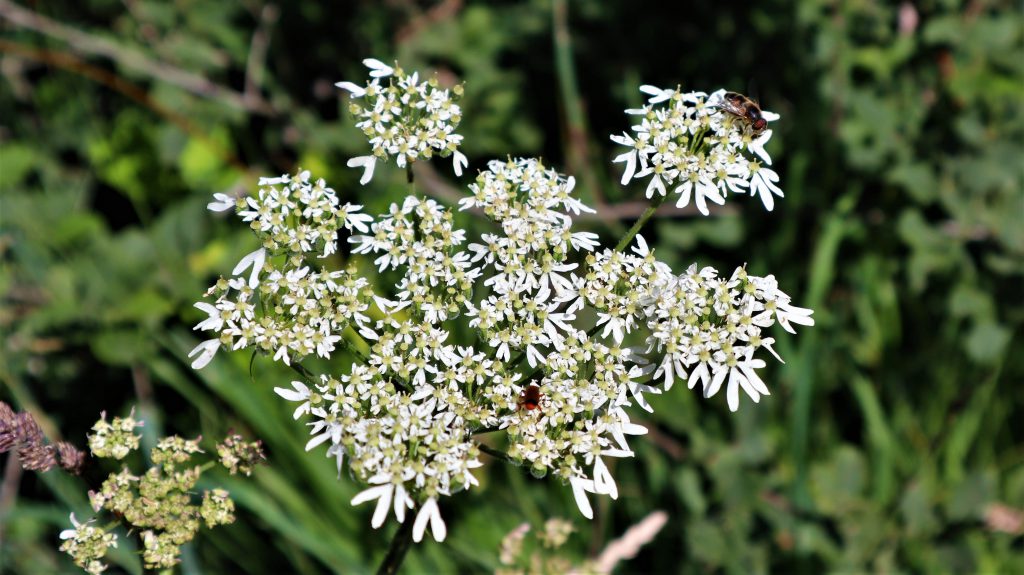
88 44
445 10
255 64
75 64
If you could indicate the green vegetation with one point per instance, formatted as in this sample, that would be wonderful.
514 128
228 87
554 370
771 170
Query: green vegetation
889 441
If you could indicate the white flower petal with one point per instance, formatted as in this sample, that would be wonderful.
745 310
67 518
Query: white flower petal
379 69
301 392
603 480
254 259
431 513
206 350
367 163
579 488
317 440
356 90
222 203
459 161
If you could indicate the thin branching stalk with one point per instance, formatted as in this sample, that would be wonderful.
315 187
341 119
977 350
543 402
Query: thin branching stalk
633 231
400 544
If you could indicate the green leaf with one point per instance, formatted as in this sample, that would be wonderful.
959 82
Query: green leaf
987 341
917 511
971 496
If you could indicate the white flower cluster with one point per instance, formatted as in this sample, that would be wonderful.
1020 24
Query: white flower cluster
616 282
687 141
408 119
694 318
419 237
406 415
409 447
87 544
529 278
699 318
578 419
293 310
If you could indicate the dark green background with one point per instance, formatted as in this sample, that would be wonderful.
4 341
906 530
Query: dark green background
890 431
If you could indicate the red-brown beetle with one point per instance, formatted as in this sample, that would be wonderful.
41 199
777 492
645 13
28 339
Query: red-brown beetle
530 399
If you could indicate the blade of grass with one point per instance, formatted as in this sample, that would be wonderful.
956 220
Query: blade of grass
822 274
879 438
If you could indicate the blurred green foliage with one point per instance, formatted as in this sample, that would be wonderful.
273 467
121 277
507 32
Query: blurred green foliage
889 442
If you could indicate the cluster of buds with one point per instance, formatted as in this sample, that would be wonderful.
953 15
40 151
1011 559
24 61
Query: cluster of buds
159 504
407 416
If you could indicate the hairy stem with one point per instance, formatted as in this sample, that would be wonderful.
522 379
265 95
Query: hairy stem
495 453
400 544
633 231
301 370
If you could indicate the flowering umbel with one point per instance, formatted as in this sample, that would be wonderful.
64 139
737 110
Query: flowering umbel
408 119
686 141
569 335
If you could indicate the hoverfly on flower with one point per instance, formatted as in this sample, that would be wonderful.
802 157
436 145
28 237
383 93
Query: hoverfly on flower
744 108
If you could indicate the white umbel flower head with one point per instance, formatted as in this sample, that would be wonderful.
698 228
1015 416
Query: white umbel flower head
570 336
285 307
408 119
687 143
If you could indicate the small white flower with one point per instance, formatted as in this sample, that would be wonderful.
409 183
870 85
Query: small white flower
206 350
762 183
378 69
629 157
214 321
787 314
221 203
429 512
741 375
254 259
365 162
71 533
300 393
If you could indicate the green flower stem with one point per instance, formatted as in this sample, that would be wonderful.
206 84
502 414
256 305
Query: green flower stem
496 453
633 231
400 544
350 347
301 370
